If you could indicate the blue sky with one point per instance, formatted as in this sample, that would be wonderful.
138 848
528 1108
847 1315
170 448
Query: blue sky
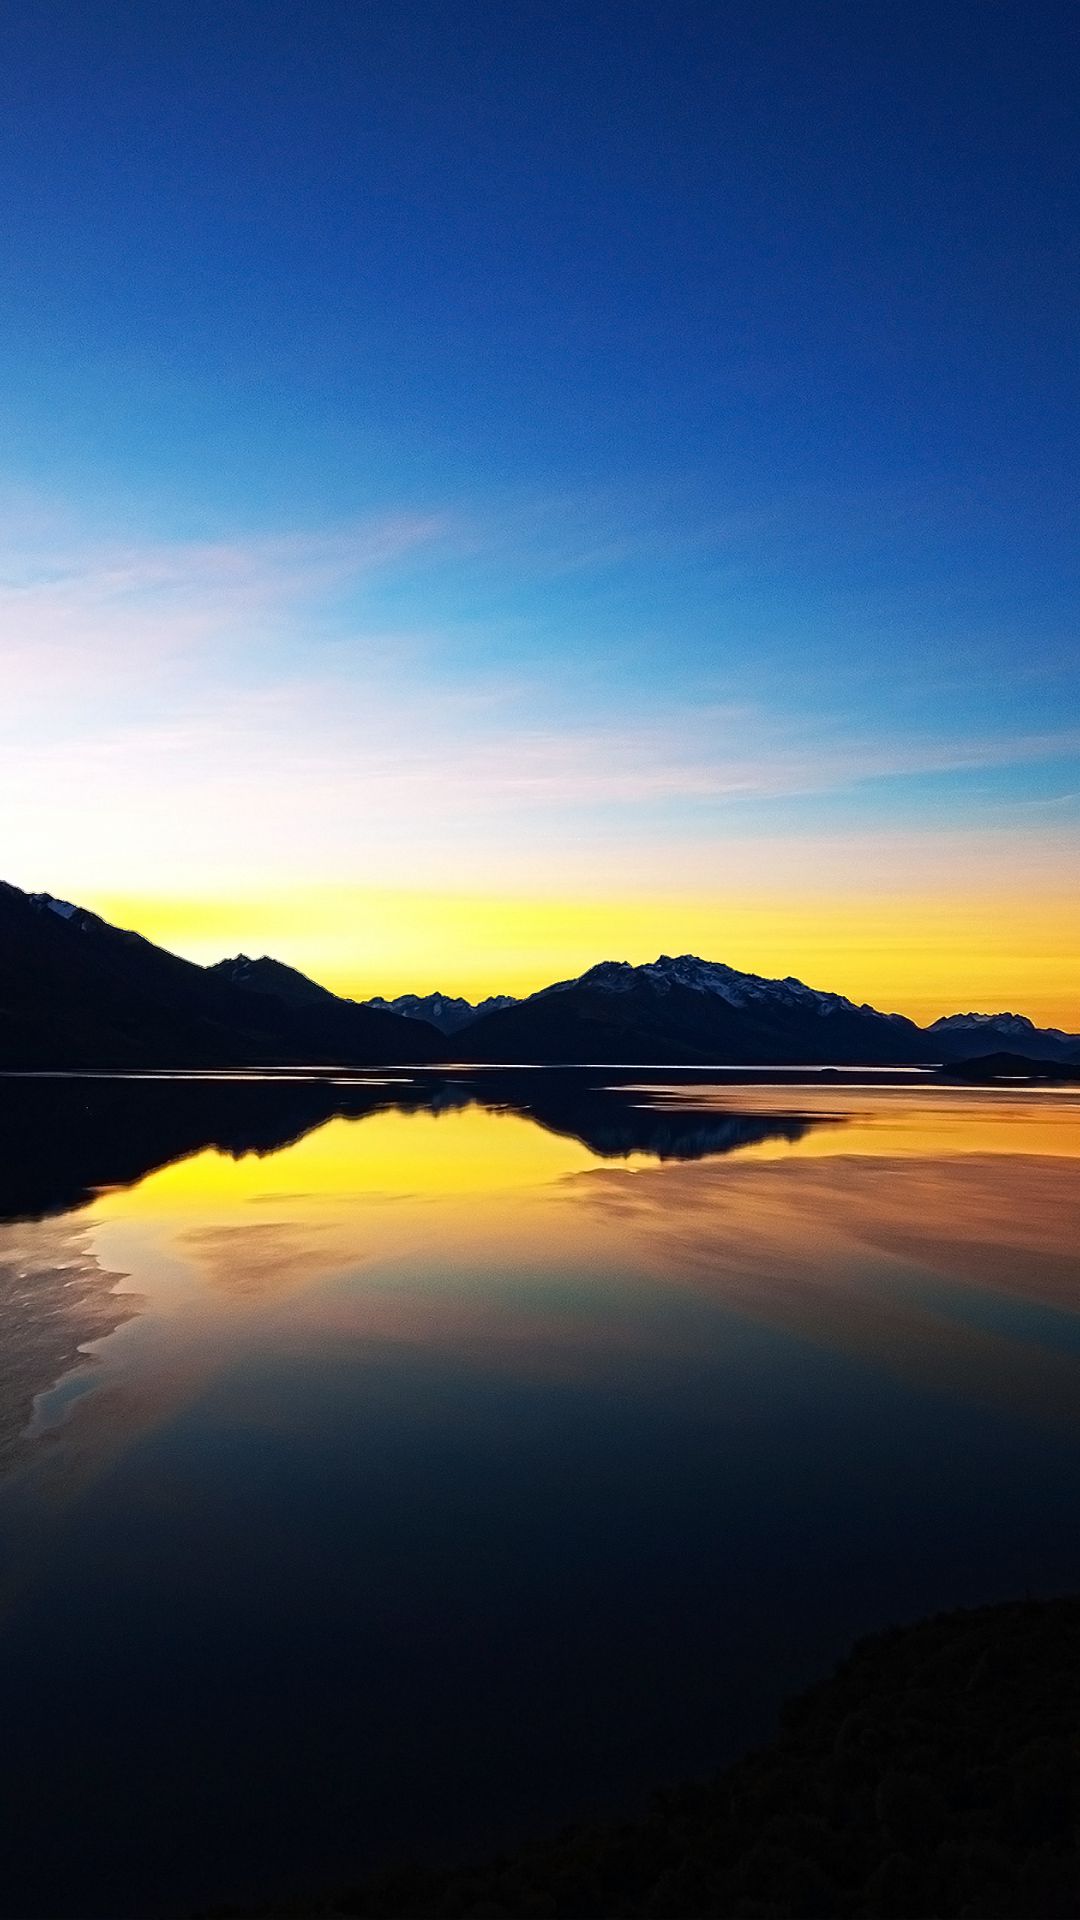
519 449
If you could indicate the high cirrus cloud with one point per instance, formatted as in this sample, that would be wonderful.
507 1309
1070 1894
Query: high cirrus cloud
78 614
240 705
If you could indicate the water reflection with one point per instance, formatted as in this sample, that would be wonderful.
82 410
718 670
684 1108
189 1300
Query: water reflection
63 1139
408 1461
66 1141
958 1274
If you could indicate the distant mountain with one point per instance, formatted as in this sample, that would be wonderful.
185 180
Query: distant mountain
77 992
961 1036
988 1069
341 1029
686 1011
442 1011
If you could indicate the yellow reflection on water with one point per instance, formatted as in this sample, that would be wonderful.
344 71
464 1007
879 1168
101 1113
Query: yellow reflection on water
463 1186
462 1153
885 1236
907 1262
474 1185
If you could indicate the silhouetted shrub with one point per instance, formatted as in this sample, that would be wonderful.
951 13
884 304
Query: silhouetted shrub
933 1778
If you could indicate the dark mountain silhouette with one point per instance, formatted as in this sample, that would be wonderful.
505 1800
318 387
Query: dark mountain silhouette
273 976
986 1068
75 991
351 1031
692 1011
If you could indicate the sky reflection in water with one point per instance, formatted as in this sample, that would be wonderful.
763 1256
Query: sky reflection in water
464 1464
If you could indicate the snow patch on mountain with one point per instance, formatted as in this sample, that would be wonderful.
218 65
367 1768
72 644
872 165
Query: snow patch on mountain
63 908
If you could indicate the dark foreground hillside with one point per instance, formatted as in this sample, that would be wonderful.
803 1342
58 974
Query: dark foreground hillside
936 1774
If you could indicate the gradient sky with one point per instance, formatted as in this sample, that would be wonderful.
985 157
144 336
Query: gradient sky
489 487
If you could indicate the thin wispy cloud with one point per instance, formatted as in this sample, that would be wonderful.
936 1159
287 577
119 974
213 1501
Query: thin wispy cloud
95 612
233 704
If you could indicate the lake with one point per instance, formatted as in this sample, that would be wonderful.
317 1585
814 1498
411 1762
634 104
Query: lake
395 1465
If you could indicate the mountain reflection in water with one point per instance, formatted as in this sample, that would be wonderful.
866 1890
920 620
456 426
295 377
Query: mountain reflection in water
64 1139
393 1465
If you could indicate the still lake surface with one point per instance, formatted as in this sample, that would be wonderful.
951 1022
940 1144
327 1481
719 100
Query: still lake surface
393 1466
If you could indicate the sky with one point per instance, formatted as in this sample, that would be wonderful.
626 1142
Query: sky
489 488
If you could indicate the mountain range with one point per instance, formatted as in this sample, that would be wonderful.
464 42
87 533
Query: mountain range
689 1011
442 1010
77 992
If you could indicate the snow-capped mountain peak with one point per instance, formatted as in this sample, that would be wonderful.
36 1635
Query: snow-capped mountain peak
1002 1022
689 972
442 1010
979 1033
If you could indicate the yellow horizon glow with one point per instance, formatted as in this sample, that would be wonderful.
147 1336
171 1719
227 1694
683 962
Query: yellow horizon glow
919 955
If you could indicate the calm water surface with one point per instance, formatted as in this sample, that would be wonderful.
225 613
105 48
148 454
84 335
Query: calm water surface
391 1467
